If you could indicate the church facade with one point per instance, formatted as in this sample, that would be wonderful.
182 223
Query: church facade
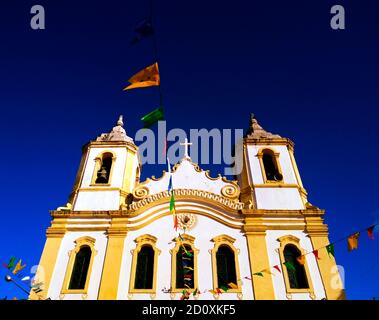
233 239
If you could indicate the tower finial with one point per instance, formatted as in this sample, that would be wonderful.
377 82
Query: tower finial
252 122
120 122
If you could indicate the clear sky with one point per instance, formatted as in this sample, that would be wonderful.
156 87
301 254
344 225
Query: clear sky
219 61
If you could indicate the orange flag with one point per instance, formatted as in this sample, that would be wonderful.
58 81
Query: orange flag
18 267
145 78
232 285
301 260
267 271
352 241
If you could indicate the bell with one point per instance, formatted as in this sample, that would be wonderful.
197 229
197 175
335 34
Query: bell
102 176
102 173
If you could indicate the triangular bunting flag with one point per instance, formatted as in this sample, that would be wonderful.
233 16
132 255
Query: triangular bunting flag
352 242
224 288
267 271
11 263
232 285
370 232
301 259
18 267
315 252
277 268
289 266
330 249
258 274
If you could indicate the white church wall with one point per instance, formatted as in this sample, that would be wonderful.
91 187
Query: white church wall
68 244
274 259
98 200
106 199
278 199
204 230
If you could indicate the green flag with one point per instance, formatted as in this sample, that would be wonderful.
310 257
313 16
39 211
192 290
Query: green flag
225 288
289 266
11 262
152 117
172 203
258 274
330 249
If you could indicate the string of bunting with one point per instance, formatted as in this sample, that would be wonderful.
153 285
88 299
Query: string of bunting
17 267
352 244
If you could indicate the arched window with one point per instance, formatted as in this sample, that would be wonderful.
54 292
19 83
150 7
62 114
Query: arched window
226 266
79 266
184 268
271 166
143 273
145 268
184 264
297 277
104 166
80 269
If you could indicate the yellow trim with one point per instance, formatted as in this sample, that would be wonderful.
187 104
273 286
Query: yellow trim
47 263
269 141
275 155
229 242
83 241
258 257
112 262
128 185
303 192
98 163
318 234
141 241
97 187
277 185
187 240
292 240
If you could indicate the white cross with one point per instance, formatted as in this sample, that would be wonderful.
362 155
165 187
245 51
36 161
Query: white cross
186 144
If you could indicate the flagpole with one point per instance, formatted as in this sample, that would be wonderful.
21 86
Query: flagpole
155 47
8 278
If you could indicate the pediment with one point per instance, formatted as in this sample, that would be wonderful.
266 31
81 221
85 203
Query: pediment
187 175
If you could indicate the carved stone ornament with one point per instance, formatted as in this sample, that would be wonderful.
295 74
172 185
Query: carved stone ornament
186 221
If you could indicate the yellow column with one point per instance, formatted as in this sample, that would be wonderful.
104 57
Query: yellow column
256 242
130 169
112 263
331 279
47 262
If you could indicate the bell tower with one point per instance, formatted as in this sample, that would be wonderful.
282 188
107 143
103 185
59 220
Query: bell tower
270 177
278 216
108 172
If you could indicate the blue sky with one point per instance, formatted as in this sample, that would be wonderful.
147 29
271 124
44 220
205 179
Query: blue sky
219 61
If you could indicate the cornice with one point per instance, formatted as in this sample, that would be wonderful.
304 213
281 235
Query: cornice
268 141
182 194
